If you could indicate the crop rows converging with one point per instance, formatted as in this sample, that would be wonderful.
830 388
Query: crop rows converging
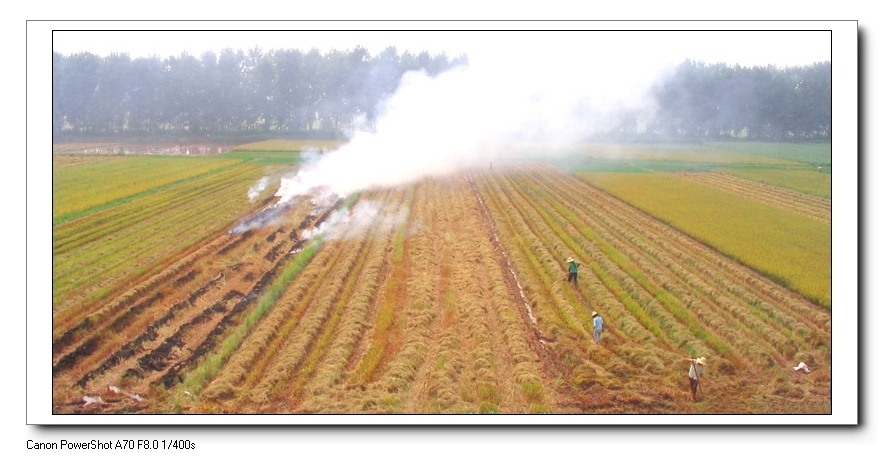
664 296
399 305
444 296
410 314
97 256
808 205
146 340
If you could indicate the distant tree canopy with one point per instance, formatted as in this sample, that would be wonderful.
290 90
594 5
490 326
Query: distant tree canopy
284 91
293 92
701 101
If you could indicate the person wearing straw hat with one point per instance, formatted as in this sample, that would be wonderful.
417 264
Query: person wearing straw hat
572 270
597 326
698 367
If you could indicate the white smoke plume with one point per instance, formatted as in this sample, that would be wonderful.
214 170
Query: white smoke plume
472 114
259 187
354 223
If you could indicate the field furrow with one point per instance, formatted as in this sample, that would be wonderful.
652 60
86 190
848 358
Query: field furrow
670 293
663 278
445 296
94 273
322 371
695 286
724 275
169 333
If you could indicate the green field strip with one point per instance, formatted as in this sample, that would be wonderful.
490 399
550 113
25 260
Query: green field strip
143 241
798 326
700 154
668 298
809 153
193 199
699 290
787 247
726 289
178 218
807 181
136 244
783 317
176 224
813 207
115 194
109 219
269 157
677 239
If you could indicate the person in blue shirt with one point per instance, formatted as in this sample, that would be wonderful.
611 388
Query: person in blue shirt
597 326
572 270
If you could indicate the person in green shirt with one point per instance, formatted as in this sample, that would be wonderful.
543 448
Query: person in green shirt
572 270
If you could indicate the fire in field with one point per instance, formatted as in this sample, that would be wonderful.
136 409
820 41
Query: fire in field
230 284
469 236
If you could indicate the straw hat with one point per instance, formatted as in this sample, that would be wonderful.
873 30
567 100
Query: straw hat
570 259
702 361
595 313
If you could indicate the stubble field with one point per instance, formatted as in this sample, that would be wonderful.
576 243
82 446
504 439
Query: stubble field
443 296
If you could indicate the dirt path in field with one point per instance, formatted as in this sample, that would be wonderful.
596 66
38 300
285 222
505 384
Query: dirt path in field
552 364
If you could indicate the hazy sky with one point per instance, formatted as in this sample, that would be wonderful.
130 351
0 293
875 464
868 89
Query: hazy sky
713 44
551 85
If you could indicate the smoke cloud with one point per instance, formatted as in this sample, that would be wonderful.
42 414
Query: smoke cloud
259 187
354 223
510 105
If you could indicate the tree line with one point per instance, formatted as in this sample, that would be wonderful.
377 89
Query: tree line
291 92
713 101
285 91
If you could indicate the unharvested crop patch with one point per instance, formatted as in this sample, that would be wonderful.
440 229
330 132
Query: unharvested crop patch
790 200
793 248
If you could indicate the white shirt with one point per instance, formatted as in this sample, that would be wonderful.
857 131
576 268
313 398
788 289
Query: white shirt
699 369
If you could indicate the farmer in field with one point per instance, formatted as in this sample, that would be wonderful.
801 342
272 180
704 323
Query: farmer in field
597 326
572 270
698 367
